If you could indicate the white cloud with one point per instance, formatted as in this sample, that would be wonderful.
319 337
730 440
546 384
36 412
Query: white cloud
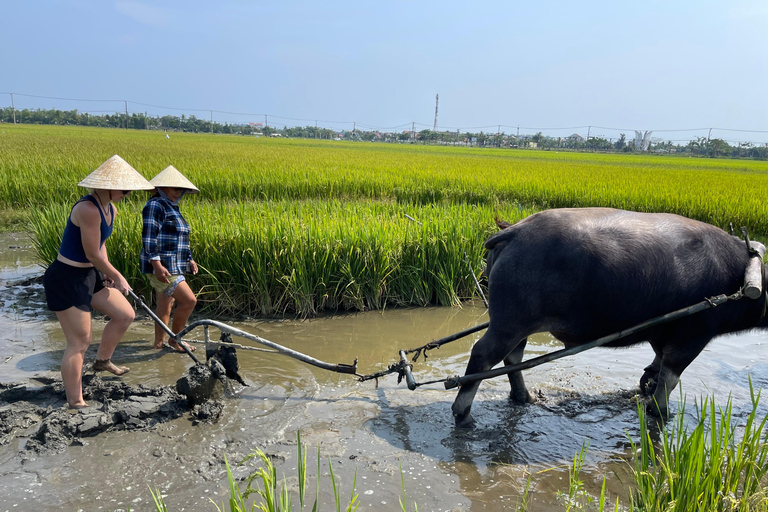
143 13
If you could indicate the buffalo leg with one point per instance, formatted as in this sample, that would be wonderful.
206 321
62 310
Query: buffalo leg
674 360
486 353
668 380
518 392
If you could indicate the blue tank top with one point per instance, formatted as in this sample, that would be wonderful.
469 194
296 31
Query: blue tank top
72 243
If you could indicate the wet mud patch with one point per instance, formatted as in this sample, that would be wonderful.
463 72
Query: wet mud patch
544 434
40 418
586 408
25 297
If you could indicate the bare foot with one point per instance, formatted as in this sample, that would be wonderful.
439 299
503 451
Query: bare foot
105 365
81 405
176 348
158 345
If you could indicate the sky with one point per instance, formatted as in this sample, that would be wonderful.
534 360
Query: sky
678 67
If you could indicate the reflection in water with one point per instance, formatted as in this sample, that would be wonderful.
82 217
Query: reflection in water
364 430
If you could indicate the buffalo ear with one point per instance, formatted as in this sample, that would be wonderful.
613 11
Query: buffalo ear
502 224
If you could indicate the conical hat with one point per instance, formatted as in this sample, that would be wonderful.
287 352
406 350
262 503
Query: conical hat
116 174
170 177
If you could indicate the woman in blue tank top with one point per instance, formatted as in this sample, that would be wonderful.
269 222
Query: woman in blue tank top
82 278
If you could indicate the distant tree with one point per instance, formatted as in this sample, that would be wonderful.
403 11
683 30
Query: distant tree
600 143
718 147
621 143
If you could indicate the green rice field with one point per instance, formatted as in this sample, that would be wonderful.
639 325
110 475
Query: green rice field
298 227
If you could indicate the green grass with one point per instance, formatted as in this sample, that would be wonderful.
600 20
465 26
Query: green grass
14 220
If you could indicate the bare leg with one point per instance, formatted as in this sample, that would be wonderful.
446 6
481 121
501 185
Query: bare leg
163 312
185 304
76 325
113 304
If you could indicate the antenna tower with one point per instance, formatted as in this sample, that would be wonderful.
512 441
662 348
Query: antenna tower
437 98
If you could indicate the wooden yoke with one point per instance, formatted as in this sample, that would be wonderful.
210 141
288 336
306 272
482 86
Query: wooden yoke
753 276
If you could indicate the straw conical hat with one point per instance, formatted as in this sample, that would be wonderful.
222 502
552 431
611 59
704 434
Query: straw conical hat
116 174
170 177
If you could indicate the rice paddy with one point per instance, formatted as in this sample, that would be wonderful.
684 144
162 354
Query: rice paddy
295 227
298 227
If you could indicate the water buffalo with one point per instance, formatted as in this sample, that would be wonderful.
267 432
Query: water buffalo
584 273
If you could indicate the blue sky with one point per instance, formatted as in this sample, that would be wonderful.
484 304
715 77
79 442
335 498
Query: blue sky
614 65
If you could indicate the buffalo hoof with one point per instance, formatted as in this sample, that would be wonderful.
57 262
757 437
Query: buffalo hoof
521 398
648 384
466 421
653 409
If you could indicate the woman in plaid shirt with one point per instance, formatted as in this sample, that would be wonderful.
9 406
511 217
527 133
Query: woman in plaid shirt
166 255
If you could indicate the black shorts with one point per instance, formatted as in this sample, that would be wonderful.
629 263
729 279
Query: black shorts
66 286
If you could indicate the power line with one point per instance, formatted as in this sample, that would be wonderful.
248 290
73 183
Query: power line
55 98
364 125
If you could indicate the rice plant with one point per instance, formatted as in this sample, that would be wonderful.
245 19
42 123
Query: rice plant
720 464
43 164
305 257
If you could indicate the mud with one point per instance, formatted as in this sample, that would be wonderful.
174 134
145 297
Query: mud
41 415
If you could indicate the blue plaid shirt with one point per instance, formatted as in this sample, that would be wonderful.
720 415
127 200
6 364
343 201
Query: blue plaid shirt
165 234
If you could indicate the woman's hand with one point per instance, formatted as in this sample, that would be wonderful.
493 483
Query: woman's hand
193 266
120 284
161 272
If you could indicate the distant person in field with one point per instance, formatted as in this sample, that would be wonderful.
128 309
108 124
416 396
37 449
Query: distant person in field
166 254
82 279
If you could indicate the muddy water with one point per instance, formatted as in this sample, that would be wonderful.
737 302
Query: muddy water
361 429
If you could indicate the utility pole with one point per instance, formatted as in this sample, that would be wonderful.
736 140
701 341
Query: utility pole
413 135
437 98
315 128
354 129
13 109
709 135
266 122
211 111
126 114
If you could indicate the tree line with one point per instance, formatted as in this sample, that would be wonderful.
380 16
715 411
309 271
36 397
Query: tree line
701 146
